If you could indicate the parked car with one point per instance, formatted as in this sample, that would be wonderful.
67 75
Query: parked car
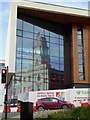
52 103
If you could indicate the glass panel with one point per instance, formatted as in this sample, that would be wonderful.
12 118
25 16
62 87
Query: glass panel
19 33
53 34
27 63
79 37
79 32
79 42
39 30
55 65
27 55
27 26
61 51
54 40
27 34
81 77
80 49
19 43
61 61
18 54
46 32
80 58
54 50
47 38
54 59
27 45
36 35
62 67
62 64
61 42
81 68
18 64
19 24
61 37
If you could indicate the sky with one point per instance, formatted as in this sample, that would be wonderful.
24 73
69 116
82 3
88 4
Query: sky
4 16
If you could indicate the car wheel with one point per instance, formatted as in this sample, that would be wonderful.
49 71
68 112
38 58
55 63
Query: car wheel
64 107
40 108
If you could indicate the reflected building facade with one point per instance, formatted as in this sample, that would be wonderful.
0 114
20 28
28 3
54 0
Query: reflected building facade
38 58
48 53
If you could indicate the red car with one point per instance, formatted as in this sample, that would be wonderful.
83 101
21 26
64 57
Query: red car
52 104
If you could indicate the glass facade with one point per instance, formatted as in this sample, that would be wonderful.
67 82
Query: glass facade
81 54
39 53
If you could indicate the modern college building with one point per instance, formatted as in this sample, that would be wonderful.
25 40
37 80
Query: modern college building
47 47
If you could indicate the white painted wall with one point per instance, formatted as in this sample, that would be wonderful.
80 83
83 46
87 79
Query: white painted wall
11 39
2 93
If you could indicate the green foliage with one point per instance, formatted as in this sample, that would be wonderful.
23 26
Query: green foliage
80 113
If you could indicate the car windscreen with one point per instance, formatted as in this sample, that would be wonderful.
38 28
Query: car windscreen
61 98
14 101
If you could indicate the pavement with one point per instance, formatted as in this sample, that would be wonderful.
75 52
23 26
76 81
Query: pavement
11 116
0 116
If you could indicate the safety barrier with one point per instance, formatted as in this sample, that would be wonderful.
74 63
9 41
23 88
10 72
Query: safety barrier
17 109
76 103
80 103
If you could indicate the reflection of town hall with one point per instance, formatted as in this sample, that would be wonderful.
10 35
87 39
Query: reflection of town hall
41 76
38 74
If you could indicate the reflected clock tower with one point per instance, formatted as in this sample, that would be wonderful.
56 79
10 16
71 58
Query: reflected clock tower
41 55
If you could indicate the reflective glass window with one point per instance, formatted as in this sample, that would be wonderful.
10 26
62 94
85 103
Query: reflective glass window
54 50
18 64
54 40
19 33
47 32
61 51
80 54
27 26
52 34
19 43
39 30
27 63
37 49
55 65
27 34
54 59
19 24
27 45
